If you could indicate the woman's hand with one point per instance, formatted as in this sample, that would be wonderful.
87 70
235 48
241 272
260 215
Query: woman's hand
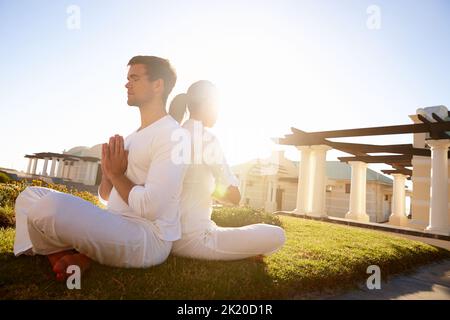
229 196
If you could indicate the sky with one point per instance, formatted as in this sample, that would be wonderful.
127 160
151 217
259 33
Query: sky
314 65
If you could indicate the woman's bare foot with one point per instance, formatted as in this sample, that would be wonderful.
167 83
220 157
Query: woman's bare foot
258 258
62 264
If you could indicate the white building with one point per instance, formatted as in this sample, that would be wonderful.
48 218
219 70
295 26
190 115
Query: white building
272 183
431 208
426 162
79 164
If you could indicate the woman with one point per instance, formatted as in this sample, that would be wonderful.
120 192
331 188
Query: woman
208 176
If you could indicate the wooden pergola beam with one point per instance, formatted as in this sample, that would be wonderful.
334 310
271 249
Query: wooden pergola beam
378 131
437 118
360 152
372 148
405 171
434 134
358 149
397 159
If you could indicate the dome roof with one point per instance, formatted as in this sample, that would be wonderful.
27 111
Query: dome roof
77 151
95 151
82 151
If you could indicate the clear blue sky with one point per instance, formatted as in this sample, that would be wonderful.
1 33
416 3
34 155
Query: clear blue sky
314 65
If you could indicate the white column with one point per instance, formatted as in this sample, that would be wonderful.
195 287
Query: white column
438 219
80 172
398 215
94 172
35 161
304 187
44 169
87 176
270 205
75 171
52 168
87 168
64 170
69 166
319 156
243 188
357 210
30 160
59 173
274 192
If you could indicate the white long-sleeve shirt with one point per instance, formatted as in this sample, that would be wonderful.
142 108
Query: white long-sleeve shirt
158 179
207 172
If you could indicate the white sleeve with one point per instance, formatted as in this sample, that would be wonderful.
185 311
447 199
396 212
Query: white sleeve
219 167
103 201
163 183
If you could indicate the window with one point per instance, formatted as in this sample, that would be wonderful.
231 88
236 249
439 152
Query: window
329 188
347 187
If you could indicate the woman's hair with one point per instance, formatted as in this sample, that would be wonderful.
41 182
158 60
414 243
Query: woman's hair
198 93
178 106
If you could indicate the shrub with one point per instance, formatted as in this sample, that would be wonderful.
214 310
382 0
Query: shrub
242 216
10 191
7 217
4 178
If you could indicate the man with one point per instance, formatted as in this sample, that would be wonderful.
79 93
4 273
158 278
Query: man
139 180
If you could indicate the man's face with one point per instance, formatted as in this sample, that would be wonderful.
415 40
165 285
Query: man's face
140 89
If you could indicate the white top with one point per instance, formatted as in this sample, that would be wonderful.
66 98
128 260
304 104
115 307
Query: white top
158 179
208 171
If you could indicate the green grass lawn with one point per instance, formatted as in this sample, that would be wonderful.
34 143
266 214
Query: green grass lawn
318 257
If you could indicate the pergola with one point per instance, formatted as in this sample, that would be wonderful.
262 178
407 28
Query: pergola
65 163
314 145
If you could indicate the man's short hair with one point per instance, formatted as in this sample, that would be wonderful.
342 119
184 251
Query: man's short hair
158 68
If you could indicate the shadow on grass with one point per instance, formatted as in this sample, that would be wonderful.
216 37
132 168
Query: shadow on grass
30 277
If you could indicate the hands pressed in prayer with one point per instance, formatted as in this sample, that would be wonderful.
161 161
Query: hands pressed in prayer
114 157
114 164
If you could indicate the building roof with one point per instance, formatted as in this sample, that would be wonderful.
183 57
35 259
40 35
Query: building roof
65 156
337 169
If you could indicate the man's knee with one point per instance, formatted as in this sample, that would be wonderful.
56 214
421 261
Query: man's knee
45 210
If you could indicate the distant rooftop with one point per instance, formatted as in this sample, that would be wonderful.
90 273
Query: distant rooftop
342 171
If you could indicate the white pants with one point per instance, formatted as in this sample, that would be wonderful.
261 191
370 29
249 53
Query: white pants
48 221
217 243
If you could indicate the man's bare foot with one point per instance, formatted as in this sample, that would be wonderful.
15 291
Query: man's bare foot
62 264
54 257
